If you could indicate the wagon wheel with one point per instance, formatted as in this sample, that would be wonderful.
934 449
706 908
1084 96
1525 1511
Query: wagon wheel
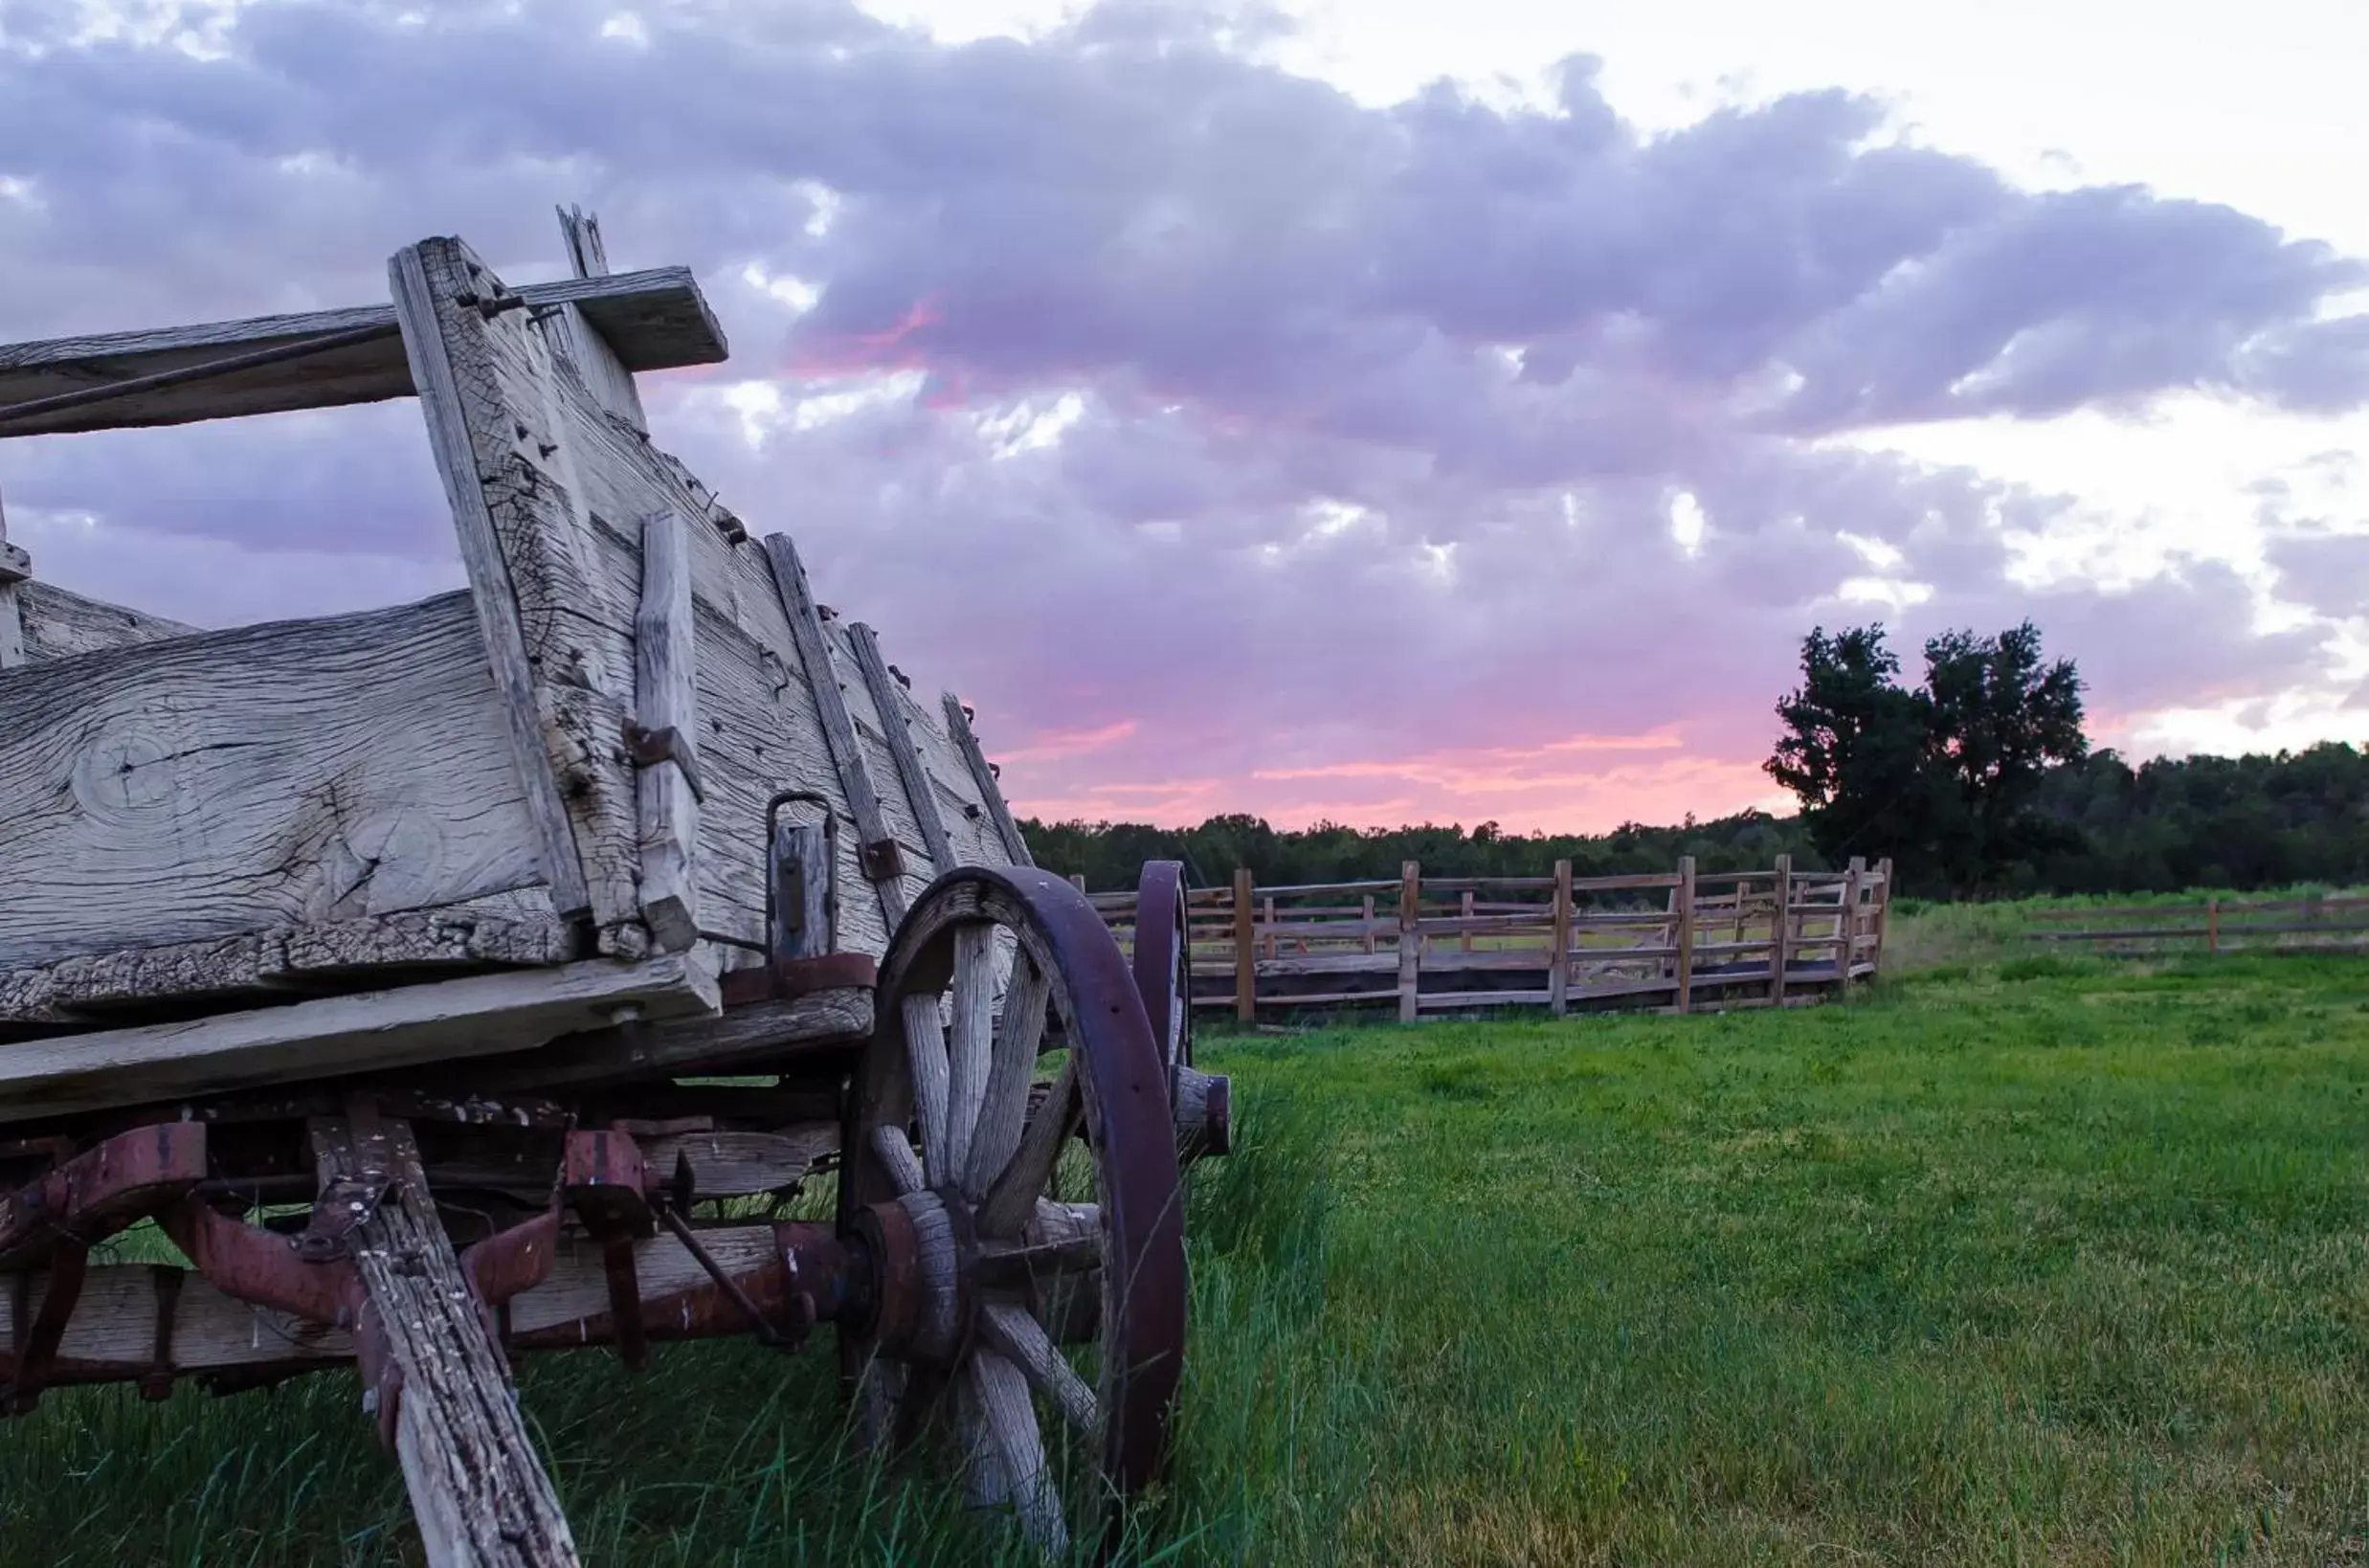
1030 1280
1164 959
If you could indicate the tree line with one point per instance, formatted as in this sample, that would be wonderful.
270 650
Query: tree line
1975 781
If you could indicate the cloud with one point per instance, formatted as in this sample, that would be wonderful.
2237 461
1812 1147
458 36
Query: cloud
1220 437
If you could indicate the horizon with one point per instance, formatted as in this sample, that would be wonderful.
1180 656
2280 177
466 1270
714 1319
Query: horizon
1241 420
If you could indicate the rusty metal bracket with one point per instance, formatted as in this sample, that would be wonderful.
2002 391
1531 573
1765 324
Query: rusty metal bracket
605 1181
344 1206
787 979
101 1191
882 860
38 1348
649 748
259 1267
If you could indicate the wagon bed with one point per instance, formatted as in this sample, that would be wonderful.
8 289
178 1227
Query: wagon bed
448 980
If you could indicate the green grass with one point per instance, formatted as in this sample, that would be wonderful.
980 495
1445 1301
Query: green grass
2047 1260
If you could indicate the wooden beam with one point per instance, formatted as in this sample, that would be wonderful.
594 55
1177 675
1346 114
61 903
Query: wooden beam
484 1014
577 340
479 1488
664 664
495 599
648 320
983 774
1780 934
61 625
294 961
888 701
656 1047
876 853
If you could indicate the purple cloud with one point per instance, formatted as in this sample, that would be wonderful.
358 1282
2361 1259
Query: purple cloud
1376 418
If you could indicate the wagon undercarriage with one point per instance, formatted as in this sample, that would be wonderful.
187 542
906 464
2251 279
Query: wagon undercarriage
612 954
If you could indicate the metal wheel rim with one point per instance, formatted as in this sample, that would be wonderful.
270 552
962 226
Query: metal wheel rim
1124 1121
1163 962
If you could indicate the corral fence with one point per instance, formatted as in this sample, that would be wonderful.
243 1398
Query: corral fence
2214 925
1678 941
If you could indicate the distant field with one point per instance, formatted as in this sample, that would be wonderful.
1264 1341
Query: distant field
2034 1260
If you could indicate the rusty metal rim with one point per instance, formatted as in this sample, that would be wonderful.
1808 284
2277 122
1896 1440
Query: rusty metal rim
1130 1126
1164 959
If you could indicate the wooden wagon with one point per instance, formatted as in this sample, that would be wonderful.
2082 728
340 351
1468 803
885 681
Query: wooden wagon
463 978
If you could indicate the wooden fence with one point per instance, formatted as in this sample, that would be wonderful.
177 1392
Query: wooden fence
2217 925
1672 941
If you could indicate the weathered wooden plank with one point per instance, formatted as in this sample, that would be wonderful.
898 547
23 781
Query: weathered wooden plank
560 664
62 625
983 776
573 335
484 1014
889 703
798 601
665 666
479 1488
652 1048
248 781
649 321
762 729
502 930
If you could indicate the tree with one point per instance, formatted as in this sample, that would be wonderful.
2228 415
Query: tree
1944 778
1854 754
1996 721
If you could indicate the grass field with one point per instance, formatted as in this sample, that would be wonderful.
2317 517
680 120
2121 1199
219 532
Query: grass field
2022 1260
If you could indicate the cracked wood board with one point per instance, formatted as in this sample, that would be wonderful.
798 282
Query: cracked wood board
254 779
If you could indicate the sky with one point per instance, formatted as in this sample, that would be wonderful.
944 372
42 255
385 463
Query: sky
1378 412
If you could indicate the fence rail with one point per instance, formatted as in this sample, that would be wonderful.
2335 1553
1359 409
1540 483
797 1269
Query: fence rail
1673 941
2220 925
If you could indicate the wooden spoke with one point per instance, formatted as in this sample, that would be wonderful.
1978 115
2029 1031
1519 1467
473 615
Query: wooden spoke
1011 1419
896 1152
1000 1300
1014 1332
984 1483
1012 1197
968 1057
1005 1105
925 1047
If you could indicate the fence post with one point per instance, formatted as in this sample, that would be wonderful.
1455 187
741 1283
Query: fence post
1848 927
1883 907
1467 944
1685 900
1246 948
1369 921
1077 879
1410 935
1559 968
2212 924
1267 912
1780 934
